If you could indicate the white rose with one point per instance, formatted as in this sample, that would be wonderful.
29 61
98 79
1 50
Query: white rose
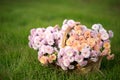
104 36
71 23
64 27
95 27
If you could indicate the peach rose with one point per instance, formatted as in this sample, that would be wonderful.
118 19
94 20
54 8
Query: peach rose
78 32
99 35
75 44
81 39
70 40
87 34
51 58
76 37
77 27
104 52
43 59
81 46
97 47
106 45
91 42
84 44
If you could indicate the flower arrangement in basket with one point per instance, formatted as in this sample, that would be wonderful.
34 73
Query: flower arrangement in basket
74 46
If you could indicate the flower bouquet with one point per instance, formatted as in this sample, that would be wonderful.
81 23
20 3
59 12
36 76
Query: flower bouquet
74 46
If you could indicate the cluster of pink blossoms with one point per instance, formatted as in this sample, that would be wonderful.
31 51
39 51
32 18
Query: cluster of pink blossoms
46 42
82 44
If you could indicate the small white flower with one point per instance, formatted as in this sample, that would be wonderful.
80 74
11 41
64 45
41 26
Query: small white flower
95 27
111 34
69 51
85 52
78 58
49 29
71 23
34 47
50 41
32 31
37 42
104 36
84 27
63 67
71 59
49 49
39 31
66 63
71 66
102 30
64 27
36 39
56 35
42 49
100 26
42 35
40 54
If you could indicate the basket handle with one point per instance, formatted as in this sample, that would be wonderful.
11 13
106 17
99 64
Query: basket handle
64 38
66 32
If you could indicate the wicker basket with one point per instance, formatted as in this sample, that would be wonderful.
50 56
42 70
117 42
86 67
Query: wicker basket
91 66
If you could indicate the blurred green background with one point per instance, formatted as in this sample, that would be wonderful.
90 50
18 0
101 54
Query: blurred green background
17 17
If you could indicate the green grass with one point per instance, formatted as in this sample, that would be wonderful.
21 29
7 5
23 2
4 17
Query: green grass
19 62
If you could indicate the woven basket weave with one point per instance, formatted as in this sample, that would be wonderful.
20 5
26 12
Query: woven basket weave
91 66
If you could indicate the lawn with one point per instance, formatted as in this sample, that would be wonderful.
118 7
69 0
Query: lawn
17 17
